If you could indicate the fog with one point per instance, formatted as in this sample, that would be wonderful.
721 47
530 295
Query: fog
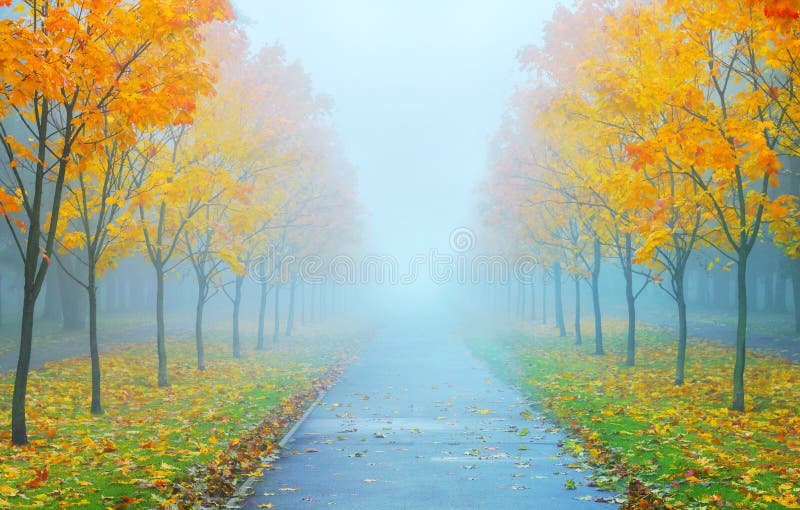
419 88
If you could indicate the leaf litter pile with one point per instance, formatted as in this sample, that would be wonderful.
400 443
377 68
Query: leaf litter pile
188 444
675 446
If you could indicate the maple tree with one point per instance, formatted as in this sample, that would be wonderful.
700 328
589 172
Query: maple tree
727 143
65 65
171 179
92 217
657 129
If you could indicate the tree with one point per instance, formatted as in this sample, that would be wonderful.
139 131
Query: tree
726 144
64 65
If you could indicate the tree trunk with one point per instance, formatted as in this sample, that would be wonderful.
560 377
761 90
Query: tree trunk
741 335
277 326
630 301
262 312
598 325
578 336
91 288
19 431
160 340
680 299
290 318
521 296
562 330
237 301
533 301
198 323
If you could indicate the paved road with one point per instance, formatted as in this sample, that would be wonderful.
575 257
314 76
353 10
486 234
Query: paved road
418 423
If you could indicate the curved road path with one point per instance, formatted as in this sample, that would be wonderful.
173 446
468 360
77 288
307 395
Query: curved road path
418 423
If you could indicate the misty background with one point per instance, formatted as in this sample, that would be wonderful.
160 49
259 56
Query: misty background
418 89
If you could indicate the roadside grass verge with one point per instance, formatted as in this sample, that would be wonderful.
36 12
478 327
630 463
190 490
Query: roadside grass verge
151 437
682 442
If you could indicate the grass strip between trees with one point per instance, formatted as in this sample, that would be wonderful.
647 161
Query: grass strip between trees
192 442
682 443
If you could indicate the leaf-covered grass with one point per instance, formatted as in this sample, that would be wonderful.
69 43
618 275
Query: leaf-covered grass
683 442
148 436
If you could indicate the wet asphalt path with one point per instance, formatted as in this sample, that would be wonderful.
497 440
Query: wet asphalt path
418 423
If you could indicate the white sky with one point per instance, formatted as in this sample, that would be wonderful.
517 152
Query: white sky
419 88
